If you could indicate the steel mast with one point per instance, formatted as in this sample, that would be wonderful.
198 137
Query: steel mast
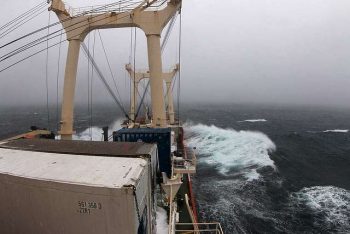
168 77
77 27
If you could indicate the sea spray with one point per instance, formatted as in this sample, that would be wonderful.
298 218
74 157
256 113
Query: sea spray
243 152
96 133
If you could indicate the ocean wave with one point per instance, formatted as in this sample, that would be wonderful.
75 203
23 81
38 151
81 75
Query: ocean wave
331 206
338 130
242 152
253 120
95 133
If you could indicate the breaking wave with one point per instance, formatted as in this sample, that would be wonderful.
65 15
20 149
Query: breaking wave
338 130
330 205
232 152
95 133
253 120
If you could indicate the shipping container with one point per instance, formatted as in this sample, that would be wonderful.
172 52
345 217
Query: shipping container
44 191
160 136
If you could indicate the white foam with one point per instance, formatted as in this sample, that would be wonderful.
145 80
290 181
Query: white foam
338 130
253 120
243 151
331 202
162 223
95 133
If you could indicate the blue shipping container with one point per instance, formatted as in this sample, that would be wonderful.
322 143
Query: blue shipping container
161 136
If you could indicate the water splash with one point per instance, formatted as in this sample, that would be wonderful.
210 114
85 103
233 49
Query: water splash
95 133
232 152
162 223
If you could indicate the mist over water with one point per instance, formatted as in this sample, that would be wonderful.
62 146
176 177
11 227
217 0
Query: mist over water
286 174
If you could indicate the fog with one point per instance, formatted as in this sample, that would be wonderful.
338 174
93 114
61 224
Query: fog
232 51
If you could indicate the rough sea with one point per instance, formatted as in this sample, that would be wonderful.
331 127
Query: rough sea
261 169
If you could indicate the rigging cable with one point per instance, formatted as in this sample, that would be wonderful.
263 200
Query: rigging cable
22 17
54 24
43 49
29 56
88 86
109 66
135 88
91 84
19 24
179 71
130 56
104 81
57 82
168 32
42 39
47 77
142 99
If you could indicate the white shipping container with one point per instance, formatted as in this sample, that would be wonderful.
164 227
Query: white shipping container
44 192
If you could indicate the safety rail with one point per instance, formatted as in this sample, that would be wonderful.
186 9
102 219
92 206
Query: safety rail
198 228
120 6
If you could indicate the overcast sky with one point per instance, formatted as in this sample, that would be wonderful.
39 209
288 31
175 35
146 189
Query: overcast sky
258 51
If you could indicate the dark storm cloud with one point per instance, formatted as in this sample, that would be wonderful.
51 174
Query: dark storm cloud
279 51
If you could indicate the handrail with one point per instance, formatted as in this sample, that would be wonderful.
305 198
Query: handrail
214 228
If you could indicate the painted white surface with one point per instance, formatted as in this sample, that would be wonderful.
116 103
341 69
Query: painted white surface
110 172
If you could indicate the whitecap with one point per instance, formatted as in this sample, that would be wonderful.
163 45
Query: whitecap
330 203
338 130
240 151
253 120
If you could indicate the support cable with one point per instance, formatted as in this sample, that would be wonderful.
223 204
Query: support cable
54 24
168 32
25 14
88 86
47 77
179 72
104 81
91 84
135 88
57 82
109 66
49 37
29 56
130 56
20 23
142 99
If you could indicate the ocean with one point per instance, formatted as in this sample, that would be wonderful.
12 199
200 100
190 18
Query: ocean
261 169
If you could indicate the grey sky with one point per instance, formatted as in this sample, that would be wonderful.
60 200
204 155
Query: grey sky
279 51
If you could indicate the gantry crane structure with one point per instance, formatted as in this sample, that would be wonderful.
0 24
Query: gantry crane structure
142 16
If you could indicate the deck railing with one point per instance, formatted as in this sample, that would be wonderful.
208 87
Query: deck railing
199 228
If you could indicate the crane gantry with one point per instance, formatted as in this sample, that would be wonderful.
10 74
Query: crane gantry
77 27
